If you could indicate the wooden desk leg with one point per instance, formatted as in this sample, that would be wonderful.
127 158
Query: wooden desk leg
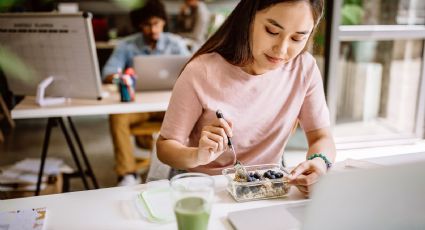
6 113
73 152
83 153
50 124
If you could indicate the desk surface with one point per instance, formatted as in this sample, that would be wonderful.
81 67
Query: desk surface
114 208
145 102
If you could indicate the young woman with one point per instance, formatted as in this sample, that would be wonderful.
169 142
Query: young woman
256 70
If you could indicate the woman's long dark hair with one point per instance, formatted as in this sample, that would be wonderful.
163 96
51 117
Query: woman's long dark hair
233 39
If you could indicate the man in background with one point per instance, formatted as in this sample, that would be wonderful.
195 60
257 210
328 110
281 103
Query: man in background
150 20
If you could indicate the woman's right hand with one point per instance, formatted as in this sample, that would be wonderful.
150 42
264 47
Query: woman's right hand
213 140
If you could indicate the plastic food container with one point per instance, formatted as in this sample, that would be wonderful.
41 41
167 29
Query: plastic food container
261 188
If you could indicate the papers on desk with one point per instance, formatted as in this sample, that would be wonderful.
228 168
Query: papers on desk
28 219
23 175
51 166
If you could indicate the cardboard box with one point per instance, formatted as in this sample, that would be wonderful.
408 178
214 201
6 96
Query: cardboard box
54 186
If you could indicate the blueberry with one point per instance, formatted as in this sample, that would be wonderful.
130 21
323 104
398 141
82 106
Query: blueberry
245 190
242 190
255 189
272 177
279 175
249 179
257 175
239 191
272 172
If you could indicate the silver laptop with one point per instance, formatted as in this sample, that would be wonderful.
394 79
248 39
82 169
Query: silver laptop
391 197
158 72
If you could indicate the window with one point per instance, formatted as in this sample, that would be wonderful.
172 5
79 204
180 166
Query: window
375 78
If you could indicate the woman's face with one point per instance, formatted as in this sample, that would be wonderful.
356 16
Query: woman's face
279 33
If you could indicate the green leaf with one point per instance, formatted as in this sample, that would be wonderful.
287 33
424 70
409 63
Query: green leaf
14 66
130 4
353 2
351 14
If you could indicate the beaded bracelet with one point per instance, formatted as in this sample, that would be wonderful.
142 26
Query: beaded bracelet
328 163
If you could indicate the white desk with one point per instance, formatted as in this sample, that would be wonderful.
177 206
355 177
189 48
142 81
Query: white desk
114 208
145 102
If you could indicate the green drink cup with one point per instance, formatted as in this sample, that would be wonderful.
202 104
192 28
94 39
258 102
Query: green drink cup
192 195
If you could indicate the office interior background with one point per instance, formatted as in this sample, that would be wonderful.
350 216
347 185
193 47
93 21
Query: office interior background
371 55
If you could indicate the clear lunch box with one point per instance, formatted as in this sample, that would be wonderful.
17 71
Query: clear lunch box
261 188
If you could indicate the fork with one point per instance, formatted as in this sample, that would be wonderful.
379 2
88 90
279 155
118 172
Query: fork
239 168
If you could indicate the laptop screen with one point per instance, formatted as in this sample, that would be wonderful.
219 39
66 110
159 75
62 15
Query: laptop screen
158 72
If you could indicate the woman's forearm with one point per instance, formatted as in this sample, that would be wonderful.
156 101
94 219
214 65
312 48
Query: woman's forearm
176 155
324 146
321 141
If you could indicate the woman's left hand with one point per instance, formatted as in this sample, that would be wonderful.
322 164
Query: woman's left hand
306 174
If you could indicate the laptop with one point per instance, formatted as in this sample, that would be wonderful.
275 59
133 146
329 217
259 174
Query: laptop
391 197
158 72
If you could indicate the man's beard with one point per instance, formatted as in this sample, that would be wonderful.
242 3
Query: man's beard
150 39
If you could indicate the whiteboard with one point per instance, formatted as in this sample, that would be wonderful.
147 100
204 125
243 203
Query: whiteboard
53 44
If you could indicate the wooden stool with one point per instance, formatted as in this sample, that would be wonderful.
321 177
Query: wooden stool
5 115
145 129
